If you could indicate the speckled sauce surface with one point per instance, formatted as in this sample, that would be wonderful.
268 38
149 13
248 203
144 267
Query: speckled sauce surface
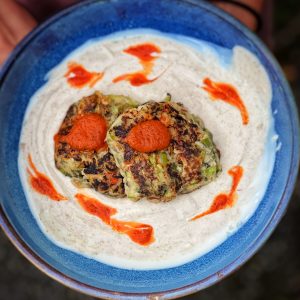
182 65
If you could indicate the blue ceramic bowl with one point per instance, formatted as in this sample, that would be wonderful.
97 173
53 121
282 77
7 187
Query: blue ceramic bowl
24 73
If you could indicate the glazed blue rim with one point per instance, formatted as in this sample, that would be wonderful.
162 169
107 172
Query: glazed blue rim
280 210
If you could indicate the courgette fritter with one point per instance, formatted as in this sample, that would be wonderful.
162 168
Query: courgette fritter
90 168
190 161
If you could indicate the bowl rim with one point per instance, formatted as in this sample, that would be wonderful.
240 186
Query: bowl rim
47 269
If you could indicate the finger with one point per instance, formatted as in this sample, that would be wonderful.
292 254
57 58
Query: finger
6 33
16 19
5 46
239 13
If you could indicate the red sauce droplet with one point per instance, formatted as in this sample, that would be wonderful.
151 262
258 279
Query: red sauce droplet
142 234
135 79
226 93
88 133
149 136
144 52
96 208
41 183
78 77
223 201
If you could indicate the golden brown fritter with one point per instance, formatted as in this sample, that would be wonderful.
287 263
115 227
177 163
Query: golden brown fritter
94 169
191 160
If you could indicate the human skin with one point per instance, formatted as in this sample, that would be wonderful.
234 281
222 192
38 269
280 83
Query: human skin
244 16
16 22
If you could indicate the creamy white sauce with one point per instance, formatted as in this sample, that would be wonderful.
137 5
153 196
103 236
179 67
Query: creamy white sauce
185 63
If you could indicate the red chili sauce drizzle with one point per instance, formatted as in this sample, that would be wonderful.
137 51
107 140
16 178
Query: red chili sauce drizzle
144 52
228 94
41 183
142 234
78 77
223 201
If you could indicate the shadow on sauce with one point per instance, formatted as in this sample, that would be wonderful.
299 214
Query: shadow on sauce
142 234
222 200
41 183
228 94
144 52
78 77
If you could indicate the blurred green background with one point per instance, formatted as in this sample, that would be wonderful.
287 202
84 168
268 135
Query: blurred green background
273 273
